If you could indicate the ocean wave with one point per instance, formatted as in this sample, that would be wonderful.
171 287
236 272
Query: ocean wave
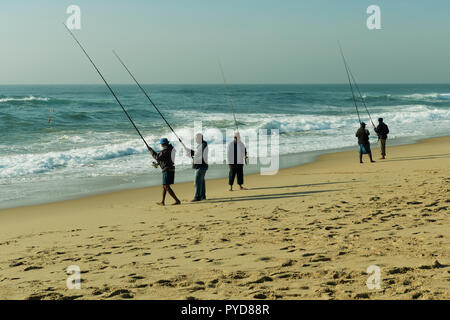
305 123
428 96
18 99
425 97
74 139
59 102
298 123
372 97
300 133
38 163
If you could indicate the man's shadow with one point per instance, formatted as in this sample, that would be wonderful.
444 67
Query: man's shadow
426 157
268 196
307 185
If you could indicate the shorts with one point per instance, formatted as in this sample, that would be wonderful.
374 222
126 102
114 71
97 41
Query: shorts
168 177
364 149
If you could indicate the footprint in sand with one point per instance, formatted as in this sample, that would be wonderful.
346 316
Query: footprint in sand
32 268
124 293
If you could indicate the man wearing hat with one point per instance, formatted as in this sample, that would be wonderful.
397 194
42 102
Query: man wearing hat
363 141
382 131
165 159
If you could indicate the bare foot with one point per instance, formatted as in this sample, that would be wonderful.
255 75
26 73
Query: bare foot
176 203
231 189
243 188
160 203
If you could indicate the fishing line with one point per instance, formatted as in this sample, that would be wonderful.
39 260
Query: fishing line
228 94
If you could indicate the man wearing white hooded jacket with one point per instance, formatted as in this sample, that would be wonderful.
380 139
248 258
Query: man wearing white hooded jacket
237 153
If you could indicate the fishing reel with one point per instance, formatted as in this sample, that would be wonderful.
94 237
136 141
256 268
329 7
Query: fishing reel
155 164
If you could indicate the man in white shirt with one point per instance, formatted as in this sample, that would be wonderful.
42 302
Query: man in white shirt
237 153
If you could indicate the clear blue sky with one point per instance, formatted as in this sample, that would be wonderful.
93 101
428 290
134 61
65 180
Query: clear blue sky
258 41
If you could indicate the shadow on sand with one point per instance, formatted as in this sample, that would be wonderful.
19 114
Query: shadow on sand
267 196
427 157
306 185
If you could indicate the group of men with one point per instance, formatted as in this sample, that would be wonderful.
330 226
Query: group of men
236 156
363 134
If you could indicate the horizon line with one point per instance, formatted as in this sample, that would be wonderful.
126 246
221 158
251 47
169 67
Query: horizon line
220 83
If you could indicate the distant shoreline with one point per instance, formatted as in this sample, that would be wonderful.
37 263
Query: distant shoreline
221 84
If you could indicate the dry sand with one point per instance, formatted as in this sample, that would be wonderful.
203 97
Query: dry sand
310 232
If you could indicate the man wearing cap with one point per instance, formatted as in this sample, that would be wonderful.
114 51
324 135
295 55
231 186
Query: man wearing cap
200 165
363 141
165 159
382 131
237 153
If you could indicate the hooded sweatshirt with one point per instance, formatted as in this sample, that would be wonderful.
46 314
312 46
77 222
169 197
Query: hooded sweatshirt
363 135
164 158
382 130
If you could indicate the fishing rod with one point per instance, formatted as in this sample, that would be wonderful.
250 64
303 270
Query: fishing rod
349 82
360 95
228 95
230 102
106 83
149 99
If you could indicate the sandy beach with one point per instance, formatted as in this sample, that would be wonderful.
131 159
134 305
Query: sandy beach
309 232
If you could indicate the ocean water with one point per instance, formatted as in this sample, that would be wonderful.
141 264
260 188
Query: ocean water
61 142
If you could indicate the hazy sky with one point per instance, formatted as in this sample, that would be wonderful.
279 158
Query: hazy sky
258 41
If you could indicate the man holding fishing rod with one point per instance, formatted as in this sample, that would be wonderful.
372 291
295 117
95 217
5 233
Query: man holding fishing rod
363 141
165 160
382 131
200 165
165 157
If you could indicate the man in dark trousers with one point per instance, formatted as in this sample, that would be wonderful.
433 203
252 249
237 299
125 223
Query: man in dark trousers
165 159
200 165
237 153
363 142
382 131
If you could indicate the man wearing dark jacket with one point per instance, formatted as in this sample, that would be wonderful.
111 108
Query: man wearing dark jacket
200 165
382 131
165 159
363 141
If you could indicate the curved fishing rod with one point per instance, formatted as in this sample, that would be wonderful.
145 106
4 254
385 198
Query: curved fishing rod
349 82
228 95
149 99
360 95
111 90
